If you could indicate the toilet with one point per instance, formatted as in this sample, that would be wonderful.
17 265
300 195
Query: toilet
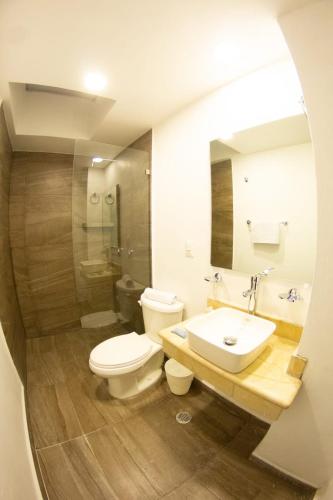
131 363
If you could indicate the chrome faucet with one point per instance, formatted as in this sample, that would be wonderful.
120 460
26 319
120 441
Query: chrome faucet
291 295
251 293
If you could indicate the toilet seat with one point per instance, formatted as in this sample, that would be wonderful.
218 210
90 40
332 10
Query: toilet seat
121 351
121 354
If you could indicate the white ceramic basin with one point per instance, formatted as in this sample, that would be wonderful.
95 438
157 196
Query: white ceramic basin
208 335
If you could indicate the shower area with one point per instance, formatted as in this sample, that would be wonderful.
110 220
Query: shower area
111 236
80 237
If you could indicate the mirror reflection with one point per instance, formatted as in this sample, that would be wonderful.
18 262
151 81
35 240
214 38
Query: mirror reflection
264 200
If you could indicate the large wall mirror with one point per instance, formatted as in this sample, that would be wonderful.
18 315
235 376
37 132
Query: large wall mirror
264 200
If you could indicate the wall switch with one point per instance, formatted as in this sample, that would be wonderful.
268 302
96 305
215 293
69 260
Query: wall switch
188 249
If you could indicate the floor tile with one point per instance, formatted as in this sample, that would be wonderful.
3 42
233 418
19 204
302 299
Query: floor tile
245 442
156 459
53 416
226 481
91 445
80 389
123 474
71 472
191 490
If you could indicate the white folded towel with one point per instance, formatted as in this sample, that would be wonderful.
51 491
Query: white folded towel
159 296
265 232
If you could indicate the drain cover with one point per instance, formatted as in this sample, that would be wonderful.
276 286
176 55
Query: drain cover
183 417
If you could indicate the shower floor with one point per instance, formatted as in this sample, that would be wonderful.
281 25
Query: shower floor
90 446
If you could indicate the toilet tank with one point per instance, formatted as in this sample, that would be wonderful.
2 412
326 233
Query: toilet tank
157 316
128 294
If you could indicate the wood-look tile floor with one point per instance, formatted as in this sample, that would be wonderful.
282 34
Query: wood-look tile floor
90 446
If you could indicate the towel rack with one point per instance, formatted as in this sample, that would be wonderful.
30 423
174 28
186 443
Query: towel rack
284 223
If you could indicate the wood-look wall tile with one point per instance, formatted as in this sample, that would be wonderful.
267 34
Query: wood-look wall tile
54 230
9 310
41 207
16 220
17 235
53 178
5 147
49 259
41 223
60 317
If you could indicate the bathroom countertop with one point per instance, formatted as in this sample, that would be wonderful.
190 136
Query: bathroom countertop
264 387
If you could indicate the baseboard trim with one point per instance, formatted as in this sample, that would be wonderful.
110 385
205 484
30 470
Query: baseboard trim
297 481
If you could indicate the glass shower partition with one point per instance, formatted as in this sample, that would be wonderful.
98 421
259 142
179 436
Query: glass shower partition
111 234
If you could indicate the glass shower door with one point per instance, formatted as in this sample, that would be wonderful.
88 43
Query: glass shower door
111 240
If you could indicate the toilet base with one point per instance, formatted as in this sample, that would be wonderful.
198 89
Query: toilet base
131 384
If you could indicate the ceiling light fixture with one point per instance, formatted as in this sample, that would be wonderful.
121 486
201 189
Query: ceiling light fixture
95 81
96 159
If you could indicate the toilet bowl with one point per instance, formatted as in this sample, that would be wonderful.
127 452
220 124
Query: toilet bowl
131 363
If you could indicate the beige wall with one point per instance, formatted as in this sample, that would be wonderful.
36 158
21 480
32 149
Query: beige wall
181 191
281 187
15 454
17 474
301 441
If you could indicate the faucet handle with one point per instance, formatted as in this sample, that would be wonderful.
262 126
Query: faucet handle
216 278
291 295
266 272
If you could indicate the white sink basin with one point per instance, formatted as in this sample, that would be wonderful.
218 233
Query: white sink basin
208 335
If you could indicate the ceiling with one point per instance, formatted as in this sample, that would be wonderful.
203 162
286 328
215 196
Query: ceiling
289 131
157 57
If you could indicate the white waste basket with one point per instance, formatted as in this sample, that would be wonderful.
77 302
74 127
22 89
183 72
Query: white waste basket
178 376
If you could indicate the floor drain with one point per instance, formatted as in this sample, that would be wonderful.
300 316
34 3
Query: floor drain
183 417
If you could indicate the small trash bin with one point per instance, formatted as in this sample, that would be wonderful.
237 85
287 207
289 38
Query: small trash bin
178 376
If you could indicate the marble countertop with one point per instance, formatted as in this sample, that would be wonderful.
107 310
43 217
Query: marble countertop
264 387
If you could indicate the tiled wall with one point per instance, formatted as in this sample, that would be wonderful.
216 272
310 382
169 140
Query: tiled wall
222 215
130 173
41 241
143 229
9 310
41 238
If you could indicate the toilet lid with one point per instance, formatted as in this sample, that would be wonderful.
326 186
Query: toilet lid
121 351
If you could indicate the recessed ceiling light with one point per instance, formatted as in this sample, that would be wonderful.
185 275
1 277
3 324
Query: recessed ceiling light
95 81
97 159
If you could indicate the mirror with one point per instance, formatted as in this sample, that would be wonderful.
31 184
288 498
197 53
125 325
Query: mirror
264 200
